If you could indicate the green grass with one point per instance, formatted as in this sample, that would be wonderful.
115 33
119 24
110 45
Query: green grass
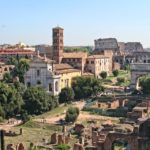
33 132
57 111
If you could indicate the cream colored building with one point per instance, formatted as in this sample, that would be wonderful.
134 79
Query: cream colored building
97 63
41 74
67 74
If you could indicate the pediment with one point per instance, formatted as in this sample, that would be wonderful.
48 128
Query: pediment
37 60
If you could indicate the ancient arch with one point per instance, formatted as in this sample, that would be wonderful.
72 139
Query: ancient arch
121 142
131 139
138 70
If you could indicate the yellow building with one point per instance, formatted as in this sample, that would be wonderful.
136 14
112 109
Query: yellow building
67 73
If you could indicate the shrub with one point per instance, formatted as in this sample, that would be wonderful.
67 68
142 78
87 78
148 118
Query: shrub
115 73
121 80
103 74
66 95
72 114
62 147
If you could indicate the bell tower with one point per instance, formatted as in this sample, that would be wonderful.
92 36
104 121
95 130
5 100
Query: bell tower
58 44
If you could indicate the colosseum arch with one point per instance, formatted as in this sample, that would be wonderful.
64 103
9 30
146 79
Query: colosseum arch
138 70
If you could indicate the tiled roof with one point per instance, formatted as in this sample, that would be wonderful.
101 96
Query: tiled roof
87 74
75 55
66 71
62 66
15 51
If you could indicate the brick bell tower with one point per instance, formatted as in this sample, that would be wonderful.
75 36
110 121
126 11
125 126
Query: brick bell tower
58 44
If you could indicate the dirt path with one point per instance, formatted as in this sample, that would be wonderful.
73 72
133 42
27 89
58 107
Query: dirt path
7 126
84 116
55 119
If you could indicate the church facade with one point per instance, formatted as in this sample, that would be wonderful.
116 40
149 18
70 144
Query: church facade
41 74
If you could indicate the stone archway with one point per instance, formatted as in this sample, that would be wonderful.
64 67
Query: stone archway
138 70
131 140
120 144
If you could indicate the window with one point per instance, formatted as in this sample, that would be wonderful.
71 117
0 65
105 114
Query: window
87 62
92 62
28 84
38 72
38 82
56 86
50 87
5 69
67 83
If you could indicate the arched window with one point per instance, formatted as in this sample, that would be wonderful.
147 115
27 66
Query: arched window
38 82
5 69
50 87
28 84
56 86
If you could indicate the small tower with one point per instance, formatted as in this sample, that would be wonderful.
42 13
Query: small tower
58 44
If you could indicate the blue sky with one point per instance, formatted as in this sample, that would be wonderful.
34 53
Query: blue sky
31 21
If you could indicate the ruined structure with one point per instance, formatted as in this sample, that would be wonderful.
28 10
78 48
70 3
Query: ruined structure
106 44
138 70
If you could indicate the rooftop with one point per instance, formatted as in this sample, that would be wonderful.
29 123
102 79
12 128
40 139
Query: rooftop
97 56
75 55
15 51
62 66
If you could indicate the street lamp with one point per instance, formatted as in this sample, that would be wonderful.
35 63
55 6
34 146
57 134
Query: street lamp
2 147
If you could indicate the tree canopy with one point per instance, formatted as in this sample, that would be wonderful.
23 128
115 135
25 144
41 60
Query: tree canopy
66 95
115 73
37 101
72 114
144 82
21 66
103 74
86 86
10 100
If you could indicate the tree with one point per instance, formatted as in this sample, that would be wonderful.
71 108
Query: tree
66 95
21 67
37 101
127 67
115 73
7 78
20 87
10 100
103 74
86 86
72 114
144 82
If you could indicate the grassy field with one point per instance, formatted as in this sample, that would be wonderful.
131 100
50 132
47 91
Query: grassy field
122 73
35 131
32 132
57 111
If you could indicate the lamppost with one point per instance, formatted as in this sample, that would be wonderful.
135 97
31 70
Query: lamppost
2 147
